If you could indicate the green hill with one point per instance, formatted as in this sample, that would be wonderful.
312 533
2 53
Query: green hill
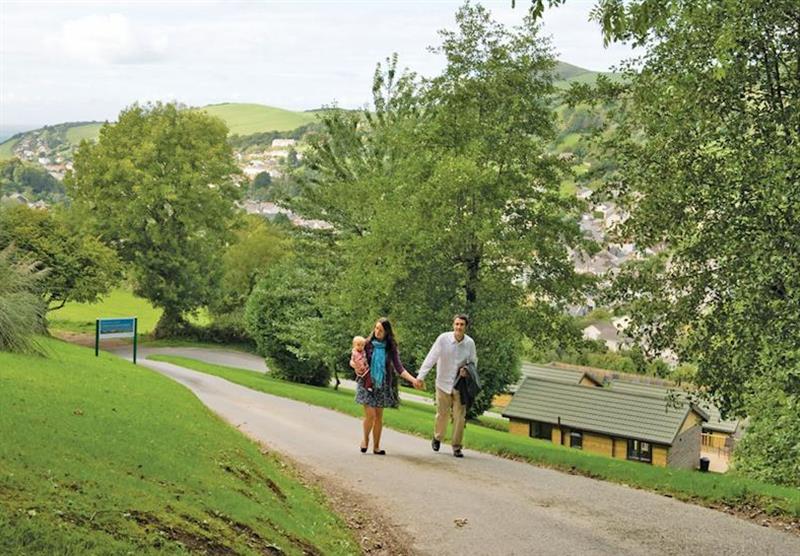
6 148
244 119
99 456
568 73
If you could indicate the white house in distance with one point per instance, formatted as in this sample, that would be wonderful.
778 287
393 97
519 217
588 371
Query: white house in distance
283 143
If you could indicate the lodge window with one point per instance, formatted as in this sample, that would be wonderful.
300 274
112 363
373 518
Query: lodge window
576 440
640 451
543 431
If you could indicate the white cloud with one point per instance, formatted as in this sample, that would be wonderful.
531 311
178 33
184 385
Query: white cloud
110 39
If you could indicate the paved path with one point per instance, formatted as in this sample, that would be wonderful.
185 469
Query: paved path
251 362
509 507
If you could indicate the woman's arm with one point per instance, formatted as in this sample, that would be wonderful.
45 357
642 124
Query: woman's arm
409 377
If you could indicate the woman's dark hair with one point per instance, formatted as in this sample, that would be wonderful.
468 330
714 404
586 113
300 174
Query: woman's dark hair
388 336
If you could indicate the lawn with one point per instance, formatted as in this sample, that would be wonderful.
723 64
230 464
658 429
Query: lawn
121 302
102 457
702 488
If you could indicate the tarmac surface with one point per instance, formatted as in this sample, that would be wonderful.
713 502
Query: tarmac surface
480 504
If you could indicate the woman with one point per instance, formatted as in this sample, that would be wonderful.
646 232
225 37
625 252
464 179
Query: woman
384 365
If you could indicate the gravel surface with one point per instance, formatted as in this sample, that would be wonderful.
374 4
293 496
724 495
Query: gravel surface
482 504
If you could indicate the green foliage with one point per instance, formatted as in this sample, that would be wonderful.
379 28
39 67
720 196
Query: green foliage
279 313
21 309
709 166
258 245
79 267
262 181
31 180
770 451
159 187
445 200
263 139
103 457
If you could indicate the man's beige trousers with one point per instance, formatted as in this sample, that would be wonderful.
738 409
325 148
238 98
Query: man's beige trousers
446 404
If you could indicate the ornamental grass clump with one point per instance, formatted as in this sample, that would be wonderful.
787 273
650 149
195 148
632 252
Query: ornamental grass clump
21 308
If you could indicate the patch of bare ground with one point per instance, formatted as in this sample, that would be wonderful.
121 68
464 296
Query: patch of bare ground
376 534
85 340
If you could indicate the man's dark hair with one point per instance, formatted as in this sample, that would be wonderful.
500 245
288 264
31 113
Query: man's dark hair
462 316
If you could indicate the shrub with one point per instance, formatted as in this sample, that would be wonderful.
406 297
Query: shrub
275 315
21 309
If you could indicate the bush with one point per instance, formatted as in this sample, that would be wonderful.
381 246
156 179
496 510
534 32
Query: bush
281 302
770 451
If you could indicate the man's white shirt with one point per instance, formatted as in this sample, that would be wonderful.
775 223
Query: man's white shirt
448 354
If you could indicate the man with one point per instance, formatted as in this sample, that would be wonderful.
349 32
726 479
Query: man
452 353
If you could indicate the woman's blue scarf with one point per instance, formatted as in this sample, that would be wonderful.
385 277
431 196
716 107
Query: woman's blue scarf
377 367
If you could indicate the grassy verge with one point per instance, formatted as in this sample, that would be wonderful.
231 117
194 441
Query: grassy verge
102 457
148 341
703 488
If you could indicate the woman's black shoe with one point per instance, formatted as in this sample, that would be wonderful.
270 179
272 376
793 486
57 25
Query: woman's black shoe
379 452
363 449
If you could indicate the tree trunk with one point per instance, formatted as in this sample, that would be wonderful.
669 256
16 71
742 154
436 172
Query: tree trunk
170 325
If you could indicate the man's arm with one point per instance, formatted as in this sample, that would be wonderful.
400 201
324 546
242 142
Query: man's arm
430 359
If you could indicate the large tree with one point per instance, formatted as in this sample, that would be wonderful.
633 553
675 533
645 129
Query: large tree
708 147
159 186
78 266
445 198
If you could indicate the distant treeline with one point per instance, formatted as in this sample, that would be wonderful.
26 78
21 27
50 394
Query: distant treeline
242 142
31 180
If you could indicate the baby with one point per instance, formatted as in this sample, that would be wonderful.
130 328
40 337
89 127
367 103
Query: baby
358 360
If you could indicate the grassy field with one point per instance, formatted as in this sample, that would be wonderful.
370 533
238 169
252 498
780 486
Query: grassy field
80 317
99 456
78 133
703 488
242 119
5 149
245 119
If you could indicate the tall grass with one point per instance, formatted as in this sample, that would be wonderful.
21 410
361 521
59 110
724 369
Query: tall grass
21 309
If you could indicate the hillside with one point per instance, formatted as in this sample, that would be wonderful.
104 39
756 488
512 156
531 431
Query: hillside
568 74
103 457
61 139
245 119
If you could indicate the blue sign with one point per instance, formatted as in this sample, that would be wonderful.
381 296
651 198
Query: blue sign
117 328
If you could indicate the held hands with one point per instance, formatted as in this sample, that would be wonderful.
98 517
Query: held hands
418 384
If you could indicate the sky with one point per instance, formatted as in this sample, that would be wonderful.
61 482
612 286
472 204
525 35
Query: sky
77 61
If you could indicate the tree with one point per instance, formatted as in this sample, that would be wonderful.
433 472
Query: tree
79 267
708 153
257 246
262 181
160 187
282 313
21 309
28 179
445 198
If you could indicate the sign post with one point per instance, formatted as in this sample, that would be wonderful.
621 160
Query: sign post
116 328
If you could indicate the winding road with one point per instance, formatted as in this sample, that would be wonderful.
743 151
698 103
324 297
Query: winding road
480 504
